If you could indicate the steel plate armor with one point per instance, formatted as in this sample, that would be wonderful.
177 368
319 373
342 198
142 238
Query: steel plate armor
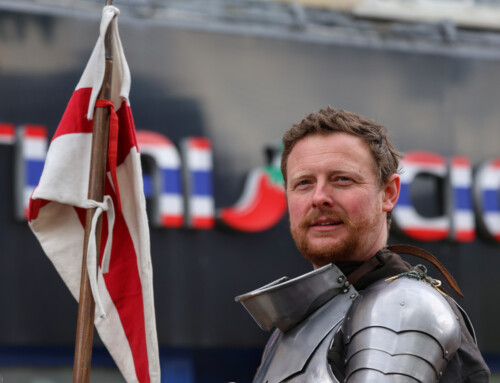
398 331
403 330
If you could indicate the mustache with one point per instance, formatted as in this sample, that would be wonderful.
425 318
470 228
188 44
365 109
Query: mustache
324 216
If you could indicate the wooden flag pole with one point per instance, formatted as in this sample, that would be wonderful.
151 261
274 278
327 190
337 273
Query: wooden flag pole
86 307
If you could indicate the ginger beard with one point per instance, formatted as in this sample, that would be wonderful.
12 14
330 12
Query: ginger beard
353 241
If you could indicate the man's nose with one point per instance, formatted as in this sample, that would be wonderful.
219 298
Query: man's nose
322 196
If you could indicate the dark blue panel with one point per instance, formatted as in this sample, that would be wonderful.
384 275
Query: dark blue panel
177 369
179 365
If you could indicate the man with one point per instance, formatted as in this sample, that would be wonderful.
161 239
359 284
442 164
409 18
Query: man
363 314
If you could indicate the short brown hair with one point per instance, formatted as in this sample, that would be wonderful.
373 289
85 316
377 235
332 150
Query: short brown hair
327 121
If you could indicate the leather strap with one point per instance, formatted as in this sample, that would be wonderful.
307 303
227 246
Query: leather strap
365 268
425 255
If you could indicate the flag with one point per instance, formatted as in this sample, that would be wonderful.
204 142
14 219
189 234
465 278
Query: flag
123 288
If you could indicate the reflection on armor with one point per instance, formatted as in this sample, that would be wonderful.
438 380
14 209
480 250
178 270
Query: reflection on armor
403 329
308 311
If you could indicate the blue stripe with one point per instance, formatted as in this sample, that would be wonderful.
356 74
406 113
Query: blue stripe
463 198
147 180
172 181
34 170
491 200
404 195
201 183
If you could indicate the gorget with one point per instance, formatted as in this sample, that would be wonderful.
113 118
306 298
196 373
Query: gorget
307 312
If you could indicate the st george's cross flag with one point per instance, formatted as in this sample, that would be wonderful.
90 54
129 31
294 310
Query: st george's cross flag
121 278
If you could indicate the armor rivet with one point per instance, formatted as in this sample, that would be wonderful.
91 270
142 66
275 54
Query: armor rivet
446 352
341 279
345 291
348 337
440 373
353 296
402 303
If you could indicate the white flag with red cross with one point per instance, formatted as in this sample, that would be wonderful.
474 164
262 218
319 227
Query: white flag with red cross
122 282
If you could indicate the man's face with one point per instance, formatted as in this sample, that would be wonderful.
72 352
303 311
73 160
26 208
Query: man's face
337 209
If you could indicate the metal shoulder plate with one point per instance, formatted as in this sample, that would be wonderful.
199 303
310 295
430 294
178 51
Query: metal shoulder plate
403 330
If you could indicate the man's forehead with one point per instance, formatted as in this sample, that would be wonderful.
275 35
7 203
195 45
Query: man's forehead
336 141
331 146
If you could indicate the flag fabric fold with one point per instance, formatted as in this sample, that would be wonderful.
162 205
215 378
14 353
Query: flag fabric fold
123 289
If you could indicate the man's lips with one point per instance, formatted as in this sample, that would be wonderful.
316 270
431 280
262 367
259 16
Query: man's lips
325 223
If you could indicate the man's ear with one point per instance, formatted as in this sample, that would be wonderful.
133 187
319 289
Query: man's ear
391 192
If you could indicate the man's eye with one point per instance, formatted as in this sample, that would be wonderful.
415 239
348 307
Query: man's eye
343 179
302 183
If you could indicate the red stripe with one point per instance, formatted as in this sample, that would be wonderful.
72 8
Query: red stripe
124 285
35 131
427 234
172 221
147 137
7 129
203 223
123 280
424 158
465 235
460 161
127 138
495 163
199 143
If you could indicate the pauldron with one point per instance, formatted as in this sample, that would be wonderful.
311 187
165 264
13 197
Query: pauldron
401 329
307 312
